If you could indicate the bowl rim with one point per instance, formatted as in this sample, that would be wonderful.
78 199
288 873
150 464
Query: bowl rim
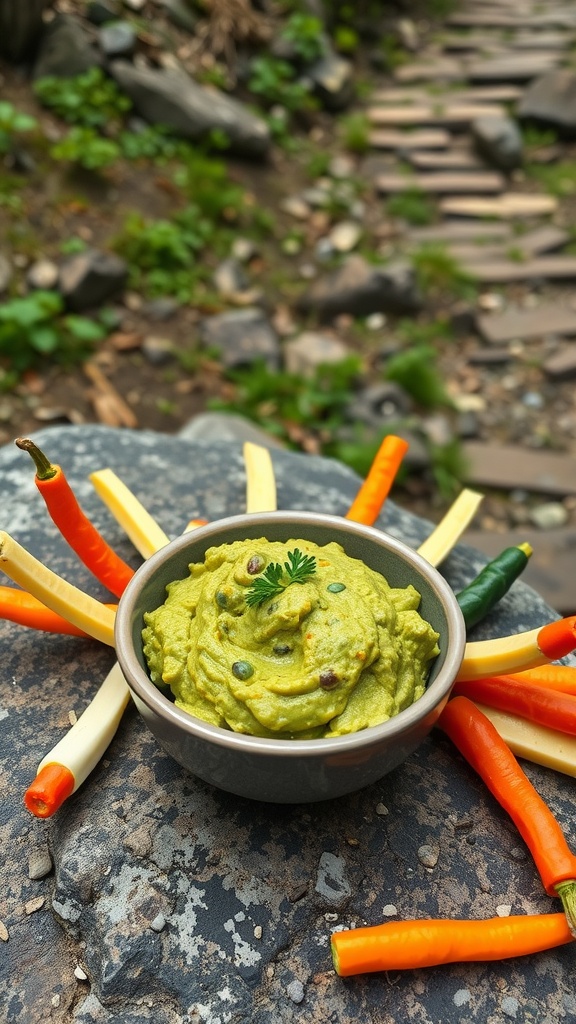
148 693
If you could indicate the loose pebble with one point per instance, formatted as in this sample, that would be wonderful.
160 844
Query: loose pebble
36 904
390 910
428 855
39 862
72 717
80 973
510 1006
258 931
55 1001
158 923
462 996
549 515
295 991
382 810
504 910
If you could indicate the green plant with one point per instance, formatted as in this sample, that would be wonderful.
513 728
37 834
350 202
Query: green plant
438 272
83 146
559 179
393 53
346 39
36 327
413 206
355 130
70 246
415 370
13 123
153 142
305 33
162 253
92 99
274 80
279 402
206 182
448 467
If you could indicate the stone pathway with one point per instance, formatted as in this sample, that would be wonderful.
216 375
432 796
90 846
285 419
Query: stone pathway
448 130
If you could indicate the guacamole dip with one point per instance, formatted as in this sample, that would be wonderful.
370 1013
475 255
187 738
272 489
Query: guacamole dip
289 641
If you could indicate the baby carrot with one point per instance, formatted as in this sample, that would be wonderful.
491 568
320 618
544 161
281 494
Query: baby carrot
21 607
554 677
74 525
558 638
487 753
407 945
376 486
537 703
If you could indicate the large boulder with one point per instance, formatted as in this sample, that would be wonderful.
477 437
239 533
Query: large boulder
65 50
170 901
550 101
360 288
171 98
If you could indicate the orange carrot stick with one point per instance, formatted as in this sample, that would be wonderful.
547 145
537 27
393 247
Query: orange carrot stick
487 753
51 787
19 606
376 487
540 704
557 639
555 677
406 945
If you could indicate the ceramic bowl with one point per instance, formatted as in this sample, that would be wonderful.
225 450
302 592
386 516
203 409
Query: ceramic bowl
289 771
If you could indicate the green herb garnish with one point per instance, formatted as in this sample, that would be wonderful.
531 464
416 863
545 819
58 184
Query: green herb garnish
298 569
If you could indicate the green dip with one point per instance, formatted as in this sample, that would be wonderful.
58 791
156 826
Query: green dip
336 653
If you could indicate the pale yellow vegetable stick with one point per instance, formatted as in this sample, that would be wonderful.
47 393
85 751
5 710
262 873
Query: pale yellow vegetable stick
62 597
144 532
81 748
535 742
451 527
260 480
74 757
502 656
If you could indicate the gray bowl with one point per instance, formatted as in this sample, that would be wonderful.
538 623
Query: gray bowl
289 771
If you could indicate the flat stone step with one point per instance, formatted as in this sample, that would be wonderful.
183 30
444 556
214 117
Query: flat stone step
547 268
479 94
442 183
446 70
462 42
510 67
561 365
516 17
551 570
534 243
438 114
449 160
541 240
460 230
508 467
434 138
497 328
508 205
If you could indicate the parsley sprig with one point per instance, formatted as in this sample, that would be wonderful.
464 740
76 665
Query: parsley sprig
298 569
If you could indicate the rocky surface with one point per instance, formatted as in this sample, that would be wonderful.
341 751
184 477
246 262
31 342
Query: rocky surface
153 896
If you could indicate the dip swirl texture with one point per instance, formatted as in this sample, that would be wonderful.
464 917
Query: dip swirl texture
337 653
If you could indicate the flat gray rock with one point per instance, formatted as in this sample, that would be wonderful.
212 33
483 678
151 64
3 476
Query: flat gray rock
171 901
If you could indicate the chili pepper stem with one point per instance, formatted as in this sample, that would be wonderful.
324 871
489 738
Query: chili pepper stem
44 468
567 893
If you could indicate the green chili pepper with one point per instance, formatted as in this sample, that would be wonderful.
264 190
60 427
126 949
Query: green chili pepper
494 580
